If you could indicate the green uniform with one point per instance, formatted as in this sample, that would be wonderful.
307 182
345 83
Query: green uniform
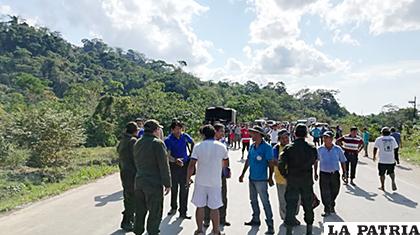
296 163
153 173
127 174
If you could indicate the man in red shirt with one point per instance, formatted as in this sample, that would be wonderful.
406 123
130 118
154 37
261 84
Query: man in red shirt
246 139
352 144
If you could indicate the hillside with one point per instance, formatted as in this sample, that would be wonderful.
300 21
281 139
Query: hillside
109 86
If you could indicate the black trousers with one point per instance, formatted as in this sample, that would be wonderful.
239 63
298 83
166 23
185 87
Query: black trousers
329 184
351 165
397 155
179 182
127 180
245 146
293 192
222 210
149 200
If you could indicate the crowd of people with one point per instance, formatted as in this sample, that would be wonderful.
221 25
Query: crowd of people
152 166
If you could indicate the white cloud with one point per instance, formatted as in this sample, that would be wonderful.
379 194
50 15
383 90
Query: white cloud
319 42
293 4
344 38
381 15
159 28
297 59
276 29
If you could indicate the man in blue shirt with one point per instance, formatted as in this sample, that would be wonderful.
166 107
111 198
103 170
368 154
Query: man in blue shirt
140 124
177 144
330 156
397 137
260 159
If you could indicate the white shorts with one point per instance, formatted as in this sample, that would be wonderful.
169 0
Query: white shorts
207 196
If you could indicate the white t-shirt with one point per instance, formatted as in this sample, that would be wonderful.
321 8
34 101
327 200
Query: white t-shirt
209 155
274 136
386 146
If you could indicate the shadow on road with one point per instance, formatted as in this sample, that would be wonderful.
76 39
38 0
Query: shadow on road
254 230
400 199
102 200
170 228
301 229
118 232
357 191
404 168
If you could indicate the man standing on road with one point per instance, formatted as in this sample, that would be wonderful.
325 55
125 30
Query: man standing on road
128 174
152 179
316 134
366 136
352 144
386 146
210 156
178 143
296 164
260 159
220 128
246 139
397 137
274 132
330 157
237 132
281 183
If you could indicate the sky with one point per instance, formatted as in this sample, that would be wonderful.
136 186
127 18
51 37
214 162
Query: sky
368 50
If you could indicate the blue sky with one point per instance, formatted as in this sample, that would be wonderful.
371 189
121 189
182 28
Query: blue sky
366 49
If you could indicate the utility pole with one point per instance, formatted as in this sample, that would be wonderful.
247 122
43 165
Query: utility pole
414 103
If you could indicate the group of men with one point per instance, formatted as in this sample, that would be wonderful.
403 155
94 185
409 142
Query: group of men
152 167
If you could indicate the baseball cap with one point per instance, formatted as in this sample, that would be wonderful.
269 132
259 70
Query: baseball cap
328 134
283 132
152 125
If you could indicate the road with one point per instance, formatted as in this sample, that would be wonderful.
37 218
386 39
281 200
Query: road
95 209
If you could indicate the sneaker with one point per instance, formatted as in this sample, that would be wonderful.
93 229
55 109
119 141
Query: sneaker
225 223
352 183
252 223
185 216
269 231
325 214
172 212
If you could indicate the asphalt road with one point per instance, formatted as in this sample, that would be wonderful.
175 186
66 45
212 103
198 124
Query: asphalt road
95 209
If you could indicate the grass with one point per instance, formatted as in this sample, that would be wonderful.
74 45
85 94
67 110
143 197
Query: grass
411 154
25 185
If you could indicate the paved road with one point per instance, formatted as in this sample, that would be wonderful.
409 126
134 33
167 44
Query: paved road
94 209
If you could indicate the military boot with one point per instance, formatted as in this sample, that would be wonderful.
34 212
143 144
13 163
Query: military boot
289 230
127 223
309 229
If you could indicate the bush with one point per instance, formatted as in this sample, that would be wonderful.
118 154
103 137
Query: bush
11 156
49 133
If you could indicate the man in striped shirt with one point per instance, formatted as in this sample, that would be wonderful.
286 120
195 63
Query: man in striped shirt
352 144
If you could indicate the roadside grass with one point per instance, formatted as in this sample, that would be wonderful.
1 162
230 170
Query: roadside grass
25 185
411 154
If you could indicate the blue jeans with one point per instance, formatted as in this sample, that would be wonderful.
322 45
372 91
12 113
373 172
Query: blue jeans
260 188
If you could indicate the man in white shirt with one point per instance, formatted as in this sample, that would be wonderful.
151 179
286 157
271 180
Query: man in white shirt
210 156
386 147
274 132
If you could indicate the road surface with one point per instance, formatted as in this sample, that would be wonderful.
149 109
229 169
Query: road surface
95 209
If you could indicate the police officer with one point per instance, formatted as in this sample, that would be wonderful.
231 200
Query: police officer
128 173
296 162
